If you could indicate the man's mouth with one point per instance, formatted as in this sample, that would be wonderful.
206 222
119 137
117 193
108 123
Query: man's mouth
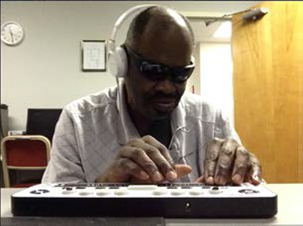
164 104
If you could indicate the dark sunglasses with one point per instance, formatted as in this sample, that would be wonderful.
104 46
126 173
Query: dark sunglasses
158 72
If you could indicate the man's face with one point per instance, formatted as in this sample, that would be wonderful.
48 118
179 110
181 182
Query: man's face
155 99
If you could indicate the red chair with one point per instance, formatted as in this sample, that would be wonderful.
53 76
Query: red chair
20 153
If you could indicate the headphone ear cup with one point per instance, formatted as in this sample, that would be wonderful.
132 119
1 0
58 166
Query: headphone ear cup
118 63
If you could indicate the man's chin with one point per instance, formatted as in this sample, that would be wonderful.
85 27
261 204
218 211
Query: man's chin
158 115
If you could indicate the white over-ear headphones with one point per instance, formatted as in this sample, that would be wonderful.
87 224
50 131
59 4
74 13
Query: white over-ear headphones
117 57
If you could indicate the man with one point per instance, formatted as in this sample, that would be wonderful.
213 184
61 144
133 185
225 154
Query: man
144 129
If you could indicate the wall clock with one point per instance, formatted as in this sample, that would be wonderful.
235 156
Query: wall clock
12 33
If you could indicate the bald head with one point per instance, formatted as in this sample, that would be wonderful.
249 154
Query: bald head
157 20
161 38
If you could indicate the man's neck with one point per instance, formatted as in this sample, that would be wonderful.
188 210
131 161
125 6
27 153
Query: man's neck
141 123
159 129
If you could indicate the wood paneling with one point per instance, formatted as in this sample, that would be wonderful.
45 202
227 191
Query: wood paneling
267 79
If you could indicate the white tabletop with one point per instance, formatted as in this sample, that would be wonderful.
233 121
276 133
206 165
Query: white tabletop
290 211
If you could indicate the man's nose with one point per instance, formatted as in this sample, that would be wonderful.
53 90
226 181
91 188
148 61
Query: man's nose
166 86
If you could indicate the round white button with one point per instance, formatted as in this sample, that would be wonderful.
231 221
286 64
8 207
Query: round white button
215 190
103 192
68 191
177 192
85 193
196 191
160 191
121 191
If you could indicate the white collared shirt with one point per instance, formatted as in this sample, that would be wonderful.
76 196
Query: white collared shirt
92 130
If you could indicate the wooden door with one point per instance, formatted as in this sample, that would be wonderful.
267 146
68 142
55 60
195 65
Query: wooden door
268 89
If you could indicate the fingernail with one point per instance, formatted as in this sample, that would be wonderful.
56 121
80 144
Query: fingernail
210 180
144 175
237 178
171 175
157 176
220 180
257 178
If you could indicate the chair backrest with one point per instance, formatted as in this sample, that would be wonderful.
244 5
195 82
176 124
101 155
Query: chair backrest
24 153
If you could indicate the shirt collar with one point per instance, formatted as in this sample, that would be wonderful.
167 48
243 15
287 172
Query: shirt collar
126 128
178 117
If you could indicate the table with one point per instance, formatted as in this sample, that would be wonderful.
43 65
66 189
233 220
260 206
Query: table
290 212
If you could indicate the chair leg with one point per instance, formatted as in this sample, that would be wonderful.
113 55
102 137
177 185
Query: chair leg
5 176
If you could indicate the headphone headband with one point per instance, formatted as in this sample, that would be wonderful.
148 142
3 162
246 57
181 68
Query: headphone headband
117 58
120 21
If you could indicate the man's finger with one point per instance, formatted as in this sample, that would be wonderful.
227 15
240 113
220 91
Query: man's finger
225 161
181 171
165 168
140 157
212 154
200 179
255 170
163 150
160 155
240 166
129 168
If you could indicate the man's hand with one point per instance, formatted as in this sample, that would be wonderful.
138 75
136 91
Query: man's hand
228 162
181 170
144 158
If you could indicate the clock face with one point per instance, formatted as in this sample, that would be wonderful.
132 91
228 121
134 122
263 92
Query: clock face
11 33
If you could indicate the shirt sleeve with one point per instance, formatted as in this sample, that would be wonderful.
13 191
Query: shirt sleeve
224 128
65 162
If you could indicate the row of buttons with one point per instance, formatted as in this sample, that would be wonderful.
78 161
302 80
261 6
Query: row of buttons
154 191
117 185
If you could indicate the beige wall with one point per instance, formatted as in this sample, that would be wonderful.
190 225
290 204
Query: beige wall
216 76
194 80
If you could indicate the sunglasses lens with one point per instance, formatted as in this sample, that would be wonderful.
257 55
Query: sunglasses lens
154 72
182 74
158 72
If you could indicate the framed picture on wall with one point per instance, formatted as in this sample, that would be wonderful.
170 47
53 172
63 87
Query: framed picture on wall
93 55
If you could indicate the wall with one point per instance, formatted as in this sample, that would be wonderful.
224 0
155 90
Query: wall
216 76
44 71
194 80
